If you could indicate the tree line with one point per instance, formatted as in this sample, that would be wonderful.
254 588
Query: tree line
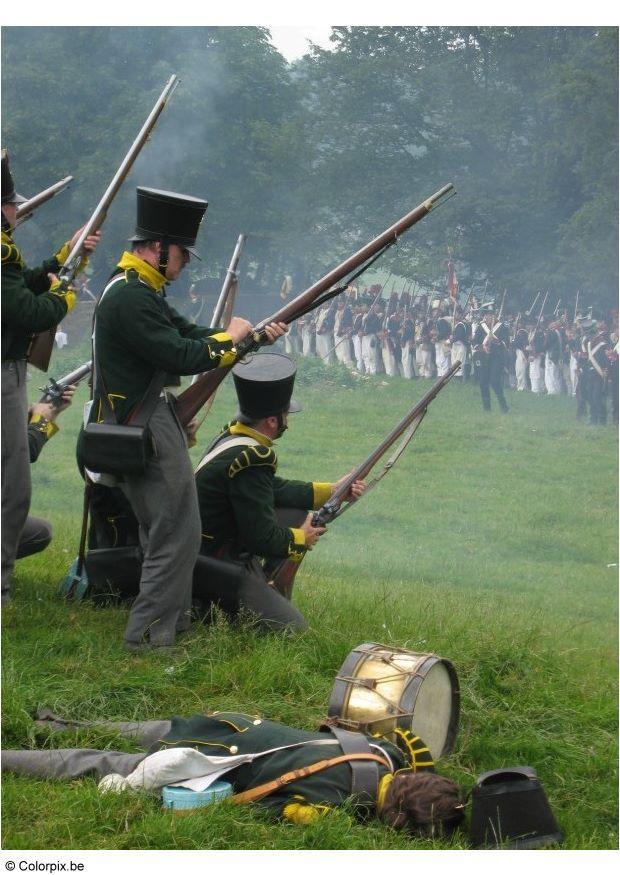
312 158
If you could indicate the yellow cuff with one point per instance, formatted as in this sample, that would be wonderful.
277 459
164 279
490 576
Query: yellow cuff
297 549
303 813
44 425
67 294
63 253
228 358
322 492
221 337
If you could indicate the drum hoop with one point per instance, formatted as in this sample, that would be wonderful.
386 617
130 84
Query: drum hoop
410 695
340 689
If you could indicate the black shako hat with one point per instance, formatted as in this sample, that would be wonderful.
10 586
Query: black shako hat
264 385
509 809
9 195
168 216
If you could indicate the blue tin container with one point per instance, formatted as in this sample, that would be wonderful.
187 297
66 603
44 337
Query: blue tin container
182 797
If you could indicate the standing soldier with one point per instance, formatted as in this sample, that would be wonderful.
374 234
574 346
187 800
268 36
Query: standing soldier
554 350
343 322
33 300
597 366
520 344
489 346
325 332
536 354
139 341
460 340
358 329
371 325
442 345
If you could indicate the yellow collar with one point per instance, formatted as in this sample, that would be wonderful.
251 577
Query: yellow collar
384 783
145 271
7 238
239 428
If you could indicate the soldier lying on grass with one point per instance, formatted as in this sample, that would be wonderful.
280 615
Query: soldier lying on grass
399 785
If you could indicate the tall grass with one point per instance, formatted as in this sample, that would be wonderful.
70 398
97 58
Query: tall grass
493 543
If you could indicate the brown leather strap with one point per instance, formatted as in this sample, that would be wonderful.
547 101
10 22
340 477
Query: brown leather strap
263 790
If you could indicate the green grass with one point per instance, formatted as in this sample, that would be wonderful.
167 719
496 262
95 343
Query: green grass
488 544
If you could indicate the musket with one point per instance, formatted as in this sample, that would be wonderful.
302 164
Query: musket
222 312
528 312
576 305
557 307
191 400
25 210
52 393
334 507
41 347
501 307
533 334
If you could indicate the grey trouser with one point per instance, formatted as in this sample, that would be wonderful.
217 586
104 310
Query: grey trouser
35 537
165 503
264 605
76 762
15 465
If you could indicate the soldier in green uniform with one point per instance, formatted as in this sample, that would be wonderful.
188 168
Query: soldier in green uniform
404 791
32 301
247 513
36 534
140 339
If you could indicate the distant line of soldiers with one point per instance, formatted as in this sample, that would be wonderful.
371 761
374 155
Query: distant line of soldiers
422 337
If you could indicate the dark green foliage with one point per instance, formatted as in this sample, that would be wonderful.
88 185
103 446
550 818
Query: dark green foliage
313 159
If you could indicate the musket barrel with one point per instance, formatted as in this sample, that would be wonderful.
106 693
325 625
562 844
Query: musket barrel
354 261
25 210
68 270
368 464
228 279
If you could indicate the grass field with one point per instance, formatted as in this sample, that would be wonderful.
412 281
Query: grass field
492 543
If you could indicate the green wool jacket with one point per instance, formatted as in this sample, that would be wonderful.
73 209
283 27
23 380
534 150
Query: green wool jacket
27 305
229 732
137 333
238 492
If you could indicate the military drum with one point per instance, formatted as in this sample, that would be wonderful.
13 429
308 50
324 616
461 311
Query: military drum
380 689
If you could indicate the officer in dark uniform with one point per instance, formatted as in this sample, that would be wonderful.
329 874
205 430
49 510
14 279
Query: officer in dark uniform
32 301
403 791
140 340
242 501
489 346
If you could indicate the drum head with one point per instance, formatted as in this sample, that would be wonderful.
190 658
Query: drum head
433 710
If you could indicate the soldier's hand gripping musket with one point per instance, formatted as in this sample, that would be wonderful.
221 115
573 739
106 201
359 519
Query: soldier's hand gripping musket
53 392
191 400
41 349
26 210
345 493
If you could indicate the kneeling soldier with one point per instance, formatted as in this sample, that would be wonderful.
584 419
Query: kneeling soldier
248 513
